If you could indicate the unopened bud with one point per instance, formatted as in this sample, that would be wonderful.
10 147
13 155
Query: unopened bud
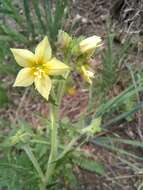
90 44
63 39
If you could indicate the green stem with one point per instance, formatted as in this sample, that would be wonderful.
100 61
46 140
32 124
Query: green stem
90 99
61 89
53 153
54 115
34 161
53 132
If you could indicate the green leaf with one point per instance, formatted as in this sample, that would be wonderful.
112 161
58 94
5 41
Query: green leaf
26 5
6 30
118 100
8 9
90 165
124 115
48 13
36 4
114 148
70 176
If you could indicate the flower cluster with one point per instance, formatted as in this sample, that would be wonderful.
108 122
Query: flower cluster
82 49
38 67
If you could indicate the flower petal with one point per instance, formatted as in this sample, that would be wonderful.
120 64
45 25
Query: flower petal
87 74
43 86
43 51
23 57
24 78
90 43
56 67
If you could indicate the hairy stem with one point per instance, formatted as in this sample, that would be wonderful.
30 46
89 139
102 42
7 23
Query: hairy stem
53 153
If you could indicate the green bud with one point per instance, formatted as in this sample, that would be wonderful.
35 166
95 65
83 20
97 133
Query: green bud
94 127
64 39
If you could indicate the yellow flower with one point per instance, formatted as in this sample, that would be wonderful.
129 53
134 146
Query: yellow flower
38 67
87 74
63 39
89 44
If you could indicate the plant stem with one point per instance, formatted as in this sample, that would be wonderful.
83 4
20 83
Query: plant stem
53 153
60 92
54 115
53 132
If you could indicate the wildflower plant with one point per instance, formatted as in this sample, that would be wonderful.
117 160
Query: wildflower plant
40 68
46 158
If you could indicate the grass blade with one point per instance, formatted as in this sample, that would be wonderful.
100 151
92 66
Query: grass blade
36 5
30 24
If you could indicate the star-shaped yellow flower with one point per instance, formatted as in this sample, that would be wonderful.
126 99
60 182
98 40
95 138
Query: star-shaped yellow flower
38 67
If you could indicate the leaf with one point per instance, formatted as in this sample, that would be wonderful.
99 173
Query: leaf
6 30
118 100
116 149
48 13
41 150
36 4
7 8
70 178
90 165
26 5
124 115
57 18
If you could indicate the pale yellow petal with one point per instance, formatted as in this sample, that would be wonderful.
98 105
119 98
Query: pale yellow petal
56 67
90 43
23 57
43 86
24 78
43 51
87 74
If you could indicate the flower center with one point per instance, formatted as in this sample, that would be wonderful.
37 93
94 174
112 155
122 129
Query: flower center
40 71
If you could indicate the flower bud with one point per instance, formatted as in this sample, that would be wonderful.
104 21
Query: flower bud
71 91
89 44
94 127
63 39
